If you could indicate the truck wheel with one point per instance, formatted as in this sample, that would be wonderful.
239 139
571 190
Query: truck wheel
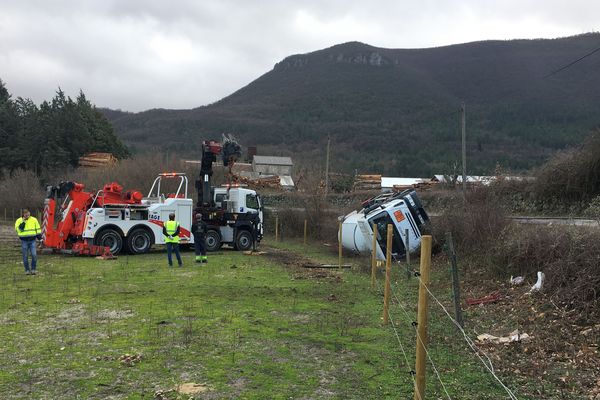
110 238
243 241
213 240
139 241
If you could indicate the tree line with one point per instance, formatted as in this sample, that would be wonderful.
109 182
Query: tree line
52 135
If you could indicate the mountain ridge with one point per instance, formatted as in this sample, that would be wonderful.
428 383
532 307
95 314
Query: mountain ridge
407 99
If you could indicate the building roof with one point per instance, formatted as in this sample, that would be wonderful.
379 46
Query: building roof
484 180
271 160
389 182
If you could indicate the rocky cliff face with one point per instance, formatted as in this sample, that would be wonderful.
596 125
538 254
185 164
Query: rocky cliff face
349 53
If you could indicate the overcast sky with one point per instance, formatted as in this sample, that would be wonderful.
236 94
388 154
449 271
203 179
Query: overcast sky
140 54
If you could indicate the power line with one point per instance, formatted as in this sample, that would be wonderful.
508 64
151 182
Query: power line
571 63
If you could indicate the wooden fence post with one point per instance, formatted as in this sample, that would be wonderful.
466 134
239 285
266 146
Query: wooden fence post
407 254
277 229
388 268
340 245
422 318
374 256
305 230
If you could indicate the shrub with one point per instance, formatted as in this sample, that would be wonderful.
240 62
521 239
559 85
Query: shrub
572 175
593 209
568 256
21 189
474 224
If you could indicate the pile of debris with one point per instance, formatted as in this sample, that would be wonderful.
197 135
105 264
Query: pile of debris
97 160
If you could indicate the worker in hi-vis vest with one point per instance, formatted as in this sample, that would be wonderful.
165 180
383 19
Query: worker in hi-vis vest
28 229
171 232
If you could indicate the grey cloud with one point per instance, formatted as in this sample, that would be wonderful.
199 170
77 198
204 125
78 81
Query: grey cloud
142 54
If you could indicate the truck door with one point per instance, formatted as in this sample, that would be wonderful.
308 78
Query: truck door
184 216
254 206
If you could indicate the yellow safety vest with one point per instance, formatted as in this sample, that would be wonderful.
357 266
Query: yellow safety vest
31 228
171 228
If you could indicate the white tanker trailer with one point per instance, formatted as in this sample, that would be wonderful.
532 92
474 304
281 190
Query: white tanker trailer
403 210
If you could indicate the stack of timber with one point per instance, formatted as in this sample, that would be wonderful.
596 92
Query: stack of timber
272 181
367 182
97 160
420 185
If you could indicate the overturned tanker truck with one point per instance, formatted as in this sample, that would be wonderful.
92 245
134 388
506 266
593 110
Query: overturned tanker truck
403 210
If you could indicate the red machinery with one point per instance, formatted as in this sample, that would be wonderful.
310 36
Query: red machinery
66 234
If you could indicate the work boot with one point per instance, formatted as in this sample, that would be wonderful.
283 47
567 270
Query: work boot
199 259
33 272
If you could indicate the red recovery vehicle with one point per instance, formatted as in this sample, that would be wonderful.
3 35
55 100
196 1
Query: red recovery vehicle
66 235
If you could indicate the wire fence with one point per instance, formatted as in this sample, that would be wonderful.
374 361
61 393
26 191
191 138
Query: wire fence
455 361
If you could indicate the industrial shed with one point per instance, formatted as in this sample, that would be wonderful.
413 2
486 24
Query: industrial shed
270 165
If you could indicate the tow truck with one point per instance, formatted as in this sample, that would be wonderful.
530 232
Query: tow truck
111 220
108 221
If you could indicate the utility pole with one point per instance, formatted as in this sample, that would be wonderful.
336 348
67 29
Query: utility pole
464 148
327 166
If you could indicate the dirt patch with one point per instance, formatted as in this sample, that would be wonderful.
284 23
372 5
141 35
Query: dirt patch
114 314
297 263
69 316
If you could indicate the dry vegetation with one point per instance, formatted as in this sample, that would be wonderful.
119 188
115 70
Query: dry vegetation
23 188
572 175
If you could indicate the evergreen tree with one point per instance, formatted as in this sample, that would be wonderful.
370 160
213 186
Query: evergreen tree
53 135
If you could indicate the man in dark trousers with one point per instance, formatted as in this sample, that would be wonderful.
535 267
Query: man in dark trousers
199 231
28 229
171 232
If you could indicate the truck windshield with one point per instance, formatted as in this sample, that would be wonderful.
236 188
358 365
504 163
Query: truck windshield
381 221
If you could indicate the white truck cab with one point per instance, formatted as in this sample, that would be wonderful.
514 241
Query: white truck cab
238 213
403 211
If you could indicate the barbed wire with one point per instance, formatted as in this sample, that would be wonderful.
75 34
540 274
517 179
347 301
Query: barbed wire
437 373
411 372
471 343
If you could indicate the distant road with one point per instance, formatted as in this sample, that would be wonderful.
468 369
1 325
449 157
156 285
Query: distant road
557 221
518 219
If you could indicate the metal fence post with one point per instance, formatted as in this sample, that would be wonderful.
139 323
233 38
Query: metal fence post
455 280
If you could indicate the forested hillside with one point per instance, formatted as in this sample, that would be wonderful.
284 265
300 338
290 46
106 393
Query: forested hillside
52 135
396 110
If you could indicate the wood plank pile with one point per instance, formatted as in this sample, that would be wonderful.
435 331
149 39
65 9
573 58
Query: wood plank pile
367 182
97 160
266 182
420 185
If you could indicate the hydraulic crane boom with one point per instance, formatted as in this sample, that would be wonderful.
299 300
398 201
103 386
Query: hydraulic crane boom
230 152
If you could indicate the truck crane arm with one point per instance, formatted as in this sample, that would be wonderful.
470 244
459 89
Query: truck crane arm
229 150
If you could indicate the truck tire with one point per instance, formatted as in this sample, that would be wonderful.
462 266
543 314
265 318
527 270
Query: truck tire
110 238
243 241
139 241
212 240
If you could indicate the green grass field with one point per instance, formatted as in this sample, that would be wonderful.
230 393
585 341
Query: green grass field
248 327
